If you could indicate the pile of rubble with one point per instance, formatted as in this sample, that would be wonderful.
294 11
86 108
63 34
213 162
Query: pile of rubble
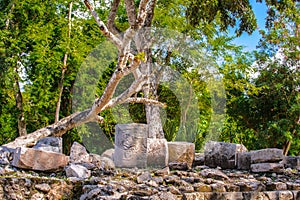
224 171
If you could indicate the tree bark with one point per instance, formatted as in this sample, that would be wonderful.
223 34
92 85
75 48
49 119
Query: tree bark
19 103
64 68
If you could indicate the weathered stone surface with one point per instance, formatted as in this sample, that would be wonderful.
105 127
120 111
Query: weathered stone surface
182 152
222 154
101 162
78 154
44 187
109 153
53 144
243 160
276 186
202 187
157 152
6 154
39 160
292 162
178 166
78 171
267 167
214 173
199 159
162 172
266 155
144 177
131 145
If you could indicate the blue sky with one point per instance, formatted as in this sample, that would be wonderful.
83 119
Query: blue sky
251 41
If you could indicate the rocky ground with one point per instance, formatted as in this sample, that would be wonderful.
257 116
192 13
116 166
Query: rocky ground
224 171
199 182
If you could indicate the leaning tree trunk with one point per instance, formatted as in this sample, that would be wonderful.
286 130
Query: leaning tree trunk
127 63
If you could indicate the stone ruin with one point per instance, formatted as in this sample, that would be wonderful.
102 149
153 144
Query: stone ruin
136 170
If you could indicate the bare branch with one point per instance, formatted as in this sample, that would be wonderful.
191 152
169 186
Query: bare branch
145 101
129 33
103 28
109 91
111 18
150 13
135 87
131 12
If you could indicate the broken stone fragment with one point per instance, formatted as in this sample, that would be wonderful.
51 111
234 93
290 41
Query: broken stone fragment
269 155
78 154
292 162
35 159
78 171
109 153
221 154
214 173
181 152
53 144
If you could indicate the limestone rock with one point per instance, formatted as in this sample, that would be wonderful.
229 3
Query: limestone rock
109 153
78 154
214 173
178 166
157 152
131 145
267 155
78 171
44 187
267 167
101 162
243 160
199 159
182 152
222 154
292 162
6 155
39 160
144 177
53 144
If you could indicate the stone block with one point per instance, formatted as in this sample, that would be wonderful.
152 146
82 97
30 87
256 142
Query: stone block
243 160
267 167
181 152
78 154
53 144
131 145
292 162
109 153
267 155
35 159
222 154
157 153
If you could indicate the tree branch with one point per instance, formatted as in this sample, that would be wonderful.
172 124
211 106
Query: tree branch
111 18
145 101
131 12
103 28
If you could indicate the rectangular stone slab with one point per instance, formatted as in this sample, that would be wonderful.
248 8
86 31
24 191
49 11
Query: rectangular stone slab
157 152
131 145
266 155
35 159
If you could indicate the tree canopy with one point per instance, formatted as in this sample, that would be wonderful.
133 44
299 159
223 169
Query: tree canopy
43 45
